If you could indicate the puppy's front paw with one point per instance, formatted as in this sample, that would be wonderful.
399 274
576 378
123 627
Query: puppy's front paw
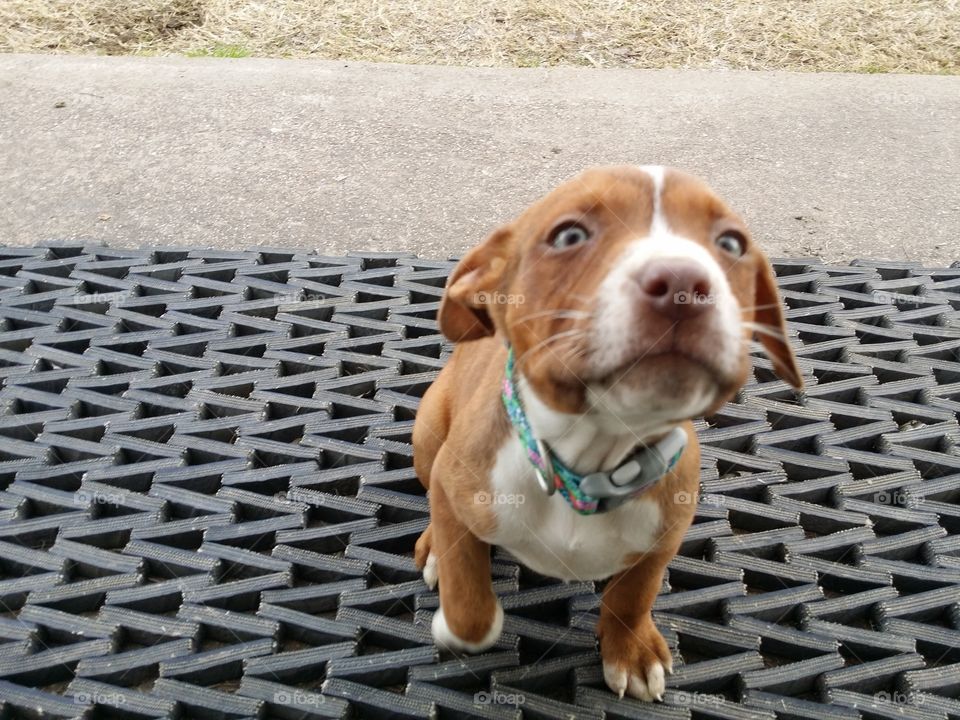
468 635
430 575
642 682
636 663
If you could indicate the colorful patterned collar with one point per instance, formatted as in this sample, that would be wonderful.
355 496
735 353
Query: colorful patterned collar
599 491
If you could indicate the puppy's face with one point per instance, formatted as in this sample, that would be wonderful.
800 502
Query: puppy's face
629 293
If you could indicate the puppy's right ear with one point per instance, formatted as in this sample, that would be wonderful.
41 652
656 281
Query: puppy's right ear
465 308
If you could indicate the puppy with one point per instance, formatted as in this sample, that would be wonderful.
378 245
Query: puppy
588 331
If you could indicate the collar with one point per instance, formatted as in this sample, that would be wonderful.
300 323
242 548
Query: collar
599 491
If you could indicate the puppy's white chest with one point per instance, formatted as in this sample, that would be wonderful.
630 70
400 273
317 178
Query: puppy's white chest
544 533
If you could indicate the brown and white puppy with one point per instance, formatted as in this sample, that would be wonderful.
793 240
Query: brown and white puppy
629 296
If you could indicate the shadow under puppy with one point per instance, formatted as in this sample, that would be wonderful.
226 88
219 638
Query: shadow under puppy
588 331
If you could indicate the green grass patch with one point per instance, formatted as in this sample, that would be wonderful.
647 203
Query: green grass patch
221 51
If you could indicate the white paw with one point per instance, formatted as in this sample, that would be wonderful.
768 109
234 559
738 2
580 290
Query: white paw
430 571
444 637
648 686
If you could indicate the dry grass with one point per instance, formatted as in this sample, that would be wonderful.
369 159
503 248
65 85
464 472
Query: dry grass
824 35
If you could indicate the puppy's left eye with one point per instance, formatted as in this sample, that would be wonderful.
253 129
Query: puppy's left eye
732 242
568 235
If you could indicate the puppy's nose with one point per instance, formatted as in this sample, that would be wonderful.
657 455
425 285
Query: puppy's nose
676 288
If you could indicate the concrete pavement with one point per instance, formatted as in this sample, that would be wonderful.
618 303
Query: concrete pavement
340 156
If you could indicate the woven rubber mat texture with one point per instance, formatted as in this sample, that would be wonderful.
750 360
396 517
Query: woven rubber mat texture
208 507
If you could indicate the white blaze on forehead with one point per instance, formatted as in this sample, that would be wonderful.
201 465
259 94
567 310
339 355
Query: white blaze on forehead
658 222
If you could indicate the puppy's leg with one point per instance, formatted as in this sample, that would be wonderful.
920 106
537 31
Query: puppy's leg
424 557
470 617
635 655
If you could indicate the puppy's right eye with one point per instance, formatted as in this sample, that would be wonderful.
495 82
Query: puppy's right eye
568 235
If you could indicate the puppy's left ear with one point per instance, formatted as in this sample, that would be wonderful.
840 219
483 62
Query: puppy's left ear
465 308
773 337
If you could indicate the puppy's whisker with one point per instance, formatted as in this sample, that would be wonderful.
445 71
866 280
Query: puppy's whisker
544 343
768 306
767 330
575 353
558 339
573 349
561 313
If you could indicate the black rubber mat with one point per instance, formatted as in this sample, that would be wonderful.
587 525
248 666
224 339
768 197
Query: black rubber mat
208 508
